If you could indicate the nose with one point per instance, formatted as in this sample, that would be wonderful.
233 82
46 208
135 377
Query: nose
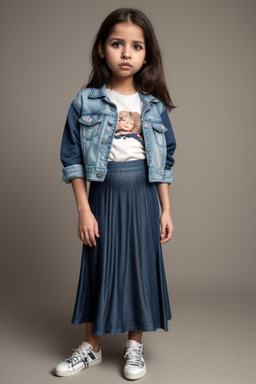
126 52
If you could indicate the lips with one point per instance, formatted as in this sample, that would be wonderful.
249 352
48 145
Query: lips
125 65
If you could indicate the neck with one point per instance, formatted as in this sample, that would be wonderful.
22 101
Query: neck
124 86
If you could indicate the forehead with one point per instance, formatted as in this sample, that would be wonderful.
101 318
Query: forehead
127 31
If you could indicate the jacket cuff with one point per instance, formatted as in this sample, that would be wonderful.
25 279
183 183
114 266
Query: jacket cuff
168 177
72 171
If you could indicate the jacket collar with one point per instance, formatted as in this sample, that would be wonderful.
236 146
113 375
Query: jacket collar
101 92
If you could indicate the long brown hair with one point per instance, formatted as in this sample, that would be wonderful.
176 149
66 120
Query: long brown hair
150 78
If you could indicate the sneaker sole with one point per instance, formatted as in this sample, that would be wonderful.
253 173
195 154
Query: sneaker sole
71 373
135 376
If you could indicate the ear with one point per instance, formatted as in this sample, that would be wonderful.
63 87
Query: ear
101 50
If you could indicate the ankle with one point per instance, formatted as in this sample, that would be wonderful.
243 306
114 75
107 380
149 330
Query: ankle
135 339
96 348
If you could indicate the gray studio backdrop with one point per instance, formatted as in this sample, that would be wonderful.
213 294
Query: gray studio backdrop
208 50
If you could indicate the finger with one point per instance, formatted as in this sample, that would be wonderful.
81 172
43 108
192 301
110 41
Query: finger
87 239
92 237
171 233
168 235
80 235
163 232
97 233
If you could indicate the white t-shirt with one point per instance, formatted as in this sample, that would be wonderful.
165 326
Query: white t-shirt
128 143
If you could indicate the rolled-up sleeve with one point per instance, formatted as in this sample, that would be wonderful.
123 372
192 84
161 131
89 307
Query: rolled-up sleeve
171 146
71 152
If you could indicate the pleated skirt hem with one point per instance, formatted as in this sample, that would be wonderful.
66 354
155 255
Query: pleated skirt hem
124 330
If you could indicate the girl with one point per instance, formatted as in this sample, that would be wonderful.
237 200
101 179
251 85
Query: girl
122 285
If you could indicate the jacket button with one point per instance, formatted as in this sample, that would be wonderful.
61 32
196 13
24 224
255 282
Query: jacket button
109 123
89 120
146 125
152 176
104 142
148 149
162 126
99 174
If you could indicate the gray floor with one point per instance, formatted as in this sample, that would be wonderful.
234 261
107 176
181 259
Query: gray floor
211 339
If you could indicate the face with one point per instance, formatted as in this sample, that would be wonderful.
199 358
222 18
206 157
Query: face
126 123
126 44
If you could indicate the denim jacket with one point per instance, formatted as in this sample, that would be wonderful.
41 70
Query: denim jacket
89 131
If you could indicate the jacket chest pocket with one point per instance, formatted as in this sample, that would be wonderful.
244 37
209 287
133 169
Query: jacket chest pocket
159 133
89 125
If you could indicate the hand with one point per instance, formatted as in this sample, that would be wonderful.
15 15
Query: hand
167 227
87 228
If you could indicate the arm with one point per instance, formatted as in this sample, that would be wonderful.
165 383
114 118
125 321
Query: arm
71 153
171 146
166 222
73 172
87 223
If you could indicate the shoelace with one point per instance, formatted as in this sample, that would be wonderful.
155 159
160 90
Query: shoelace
134 355
79 355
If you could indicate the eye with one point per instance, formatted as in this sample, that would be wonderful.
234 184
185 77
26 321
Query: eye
116 42
139 46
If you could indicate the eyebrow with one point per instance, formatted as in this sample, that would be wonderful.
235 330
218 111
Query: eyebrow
135 41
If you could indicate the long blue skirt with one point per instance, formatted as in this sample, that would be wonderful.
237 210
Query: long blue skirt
122 285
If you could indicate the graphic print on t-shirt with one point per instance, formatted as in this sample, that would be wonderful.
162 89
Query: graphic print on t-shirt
129 125
128 143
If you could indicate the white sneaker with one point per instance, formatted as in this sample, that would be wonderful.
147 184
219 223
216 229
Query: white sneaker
81 358
135 366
